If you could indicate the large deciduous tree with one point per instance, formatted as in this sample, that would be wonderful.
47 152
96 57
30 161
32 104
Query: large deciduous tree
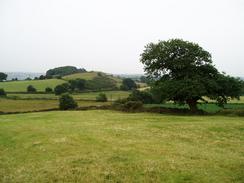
184 73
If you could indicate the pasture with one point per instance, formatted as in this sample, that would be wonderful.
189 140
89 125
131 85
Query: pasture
20 86
7 105
112 95
107 146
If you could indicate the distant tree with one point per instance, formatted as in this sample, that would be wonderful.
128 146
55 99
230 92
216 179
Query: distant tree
128 84
101 97
62 71
78 84
3 76
184 73
14 79
31 89
67 102
63 88
2 92
48 90
28 79
42 77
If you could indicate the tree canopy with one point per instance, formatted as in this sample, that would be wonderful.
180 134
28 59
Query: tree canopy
62 71
184 73
3 76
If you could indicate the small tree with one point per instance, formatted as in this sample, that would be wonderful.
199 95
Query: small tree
78 84
101 97
48 90
31 89
2 92
63 88
128 84
67 102
3 76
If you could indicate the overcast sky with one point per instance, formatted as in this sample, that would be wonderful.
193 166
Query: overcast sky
110 35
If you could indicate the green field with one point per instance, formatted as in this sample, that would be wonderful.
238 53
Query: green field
112 95
85 75
7 105
106 146
21 86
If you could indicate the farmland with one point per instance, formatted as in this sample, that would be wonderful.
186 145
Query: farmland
20 86
106 146
112 95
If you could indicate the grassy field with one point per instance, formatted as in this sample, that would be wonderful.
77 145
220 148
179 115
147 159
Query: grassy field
112 95
20 86
85 75
106 146
7 105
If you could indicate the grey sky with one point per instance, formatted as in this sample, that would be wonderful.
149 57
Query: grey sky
109 35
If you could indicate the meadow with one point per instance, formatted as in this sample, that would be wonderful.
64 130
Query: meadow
12 106
20 86
112 95
107 146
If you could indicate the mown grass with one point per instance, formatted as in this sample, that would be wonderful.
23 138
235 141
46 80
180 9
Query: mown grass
112 95
21 86
106 146
8 105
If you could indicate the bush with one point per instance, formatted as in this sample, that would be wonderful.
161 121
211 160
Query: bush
2 93
101 97
67 102
63 88
126 105
31 89
133 105
48 90
143 96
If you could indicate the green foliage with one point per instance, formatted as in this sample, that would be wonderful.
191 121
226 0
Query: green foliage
77 84
48 90
101 97
31 89
3 76
63 88
143 96
128 84
67 102
2 93
184 73
127 105
63 71
101 83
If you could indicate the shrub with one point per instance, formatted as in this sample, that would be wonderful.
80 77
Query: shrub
133 105
48 90
101 97
63 88
67 102
31 89
143 96
126 105
2 93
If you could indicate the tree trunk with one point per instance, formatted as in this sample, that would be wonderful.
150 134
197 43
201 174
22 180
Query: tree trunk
192 104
